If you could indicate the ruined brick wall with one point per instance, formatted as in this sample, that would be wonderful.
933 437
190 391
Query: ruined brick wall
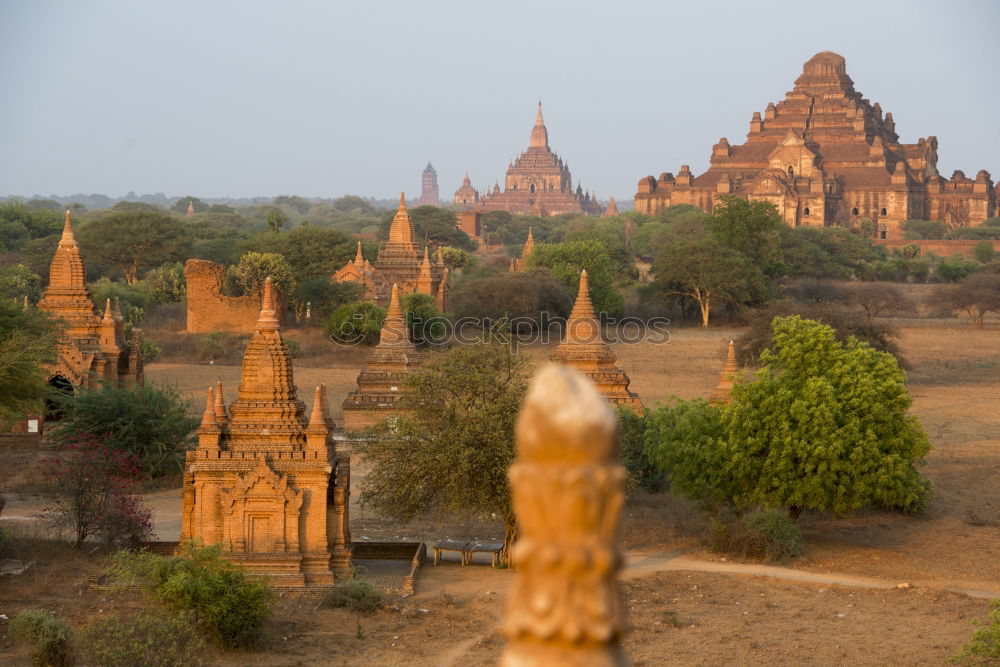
208 309
942 248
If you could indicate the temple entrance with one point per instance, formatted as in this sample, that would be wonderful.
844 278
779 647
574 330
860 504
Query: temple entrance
61 387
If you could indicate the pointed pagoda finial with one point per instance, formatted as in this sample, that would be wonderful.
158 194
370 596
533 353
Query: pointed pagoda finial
108 317
67 233
394 333
268 319
318 415
394 311
359 259
208 418
402 200
539 135
440 257
220 404
116 311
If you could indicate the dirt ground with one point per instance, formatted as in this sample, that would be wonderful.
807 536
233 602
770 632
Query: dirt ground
678 613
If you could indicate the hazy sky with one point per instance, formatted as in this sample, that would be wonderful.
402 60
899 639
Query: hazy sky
325 98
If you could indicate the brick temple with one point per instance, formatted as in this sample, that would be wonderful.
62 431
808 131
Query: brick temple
381 385
428 187
827 156
538 183
93 349
521 263
266 482
583 348
399 263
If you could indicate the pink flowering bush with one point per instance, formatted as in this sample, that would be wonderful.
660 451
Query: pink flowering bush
93 490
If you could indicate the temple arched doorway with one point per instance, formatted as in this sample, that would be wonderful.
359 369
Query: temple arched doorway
61 388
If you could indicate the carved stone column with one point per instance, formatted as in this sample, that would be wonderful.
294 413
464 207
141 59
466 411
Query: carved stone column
568 490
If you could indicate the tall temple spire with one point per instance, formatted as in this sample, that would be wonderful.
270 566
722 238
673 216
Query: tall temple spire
220 404
440 257
584 349
612 209
359 259
394 326
401 230
539 135
424 279
268 319
208 419
529 246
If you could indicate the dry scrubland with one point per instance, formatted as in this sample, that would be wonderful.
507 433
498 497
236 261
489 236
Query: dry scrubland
677 617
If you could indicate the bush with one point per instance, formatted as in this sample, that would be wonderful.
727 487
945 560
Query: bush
229 604
356 595
150 422
845 323
355 324
147 638
956 268
984 645
6 542
93 492
632 453
771 535
51 635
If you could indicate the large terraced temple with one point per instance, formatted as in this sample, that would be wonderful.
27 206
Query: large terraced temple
825 155
538 183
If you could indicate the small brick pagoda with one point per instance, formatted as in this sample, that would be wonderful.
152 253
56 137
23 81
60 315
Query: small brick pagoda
721 393
520 263
399 263
538 183
381 383
265 482
93 349
584 349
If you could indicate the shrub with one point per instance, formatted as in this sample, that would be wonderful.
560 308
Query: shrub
984 645
147 638
766 534
356 595
6 542
632 453
956 268
92 487
51 635
149 422
355 324
229 604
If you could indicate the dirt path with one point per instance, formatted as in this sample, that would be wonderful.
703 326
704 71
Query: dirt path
641 565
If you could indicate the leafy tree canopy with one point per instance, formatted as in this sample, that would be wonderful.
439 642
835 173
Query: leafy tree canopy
567 260
254 268
135 239
452 449
750 228
28 340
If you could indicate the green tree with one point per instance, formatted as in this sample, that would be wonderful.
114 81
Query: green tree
751 228
309 250
708 272
276 219
28 340
135 240
923 229
567 260
976 296
422 318
254 268
300 204
355 324
451 450
521 296
352 203
18 281
824 425
150 422
322 294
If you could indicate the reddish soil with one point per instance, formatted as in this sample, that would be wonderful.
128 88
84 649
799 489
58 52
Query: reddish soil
675 617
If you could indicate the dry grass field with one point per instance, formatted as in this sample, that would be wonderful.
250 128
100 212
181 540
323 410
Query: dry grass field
675 617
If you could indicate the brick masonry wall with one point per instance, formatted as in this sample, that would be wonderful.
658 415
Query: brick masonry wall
943 248
208 309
